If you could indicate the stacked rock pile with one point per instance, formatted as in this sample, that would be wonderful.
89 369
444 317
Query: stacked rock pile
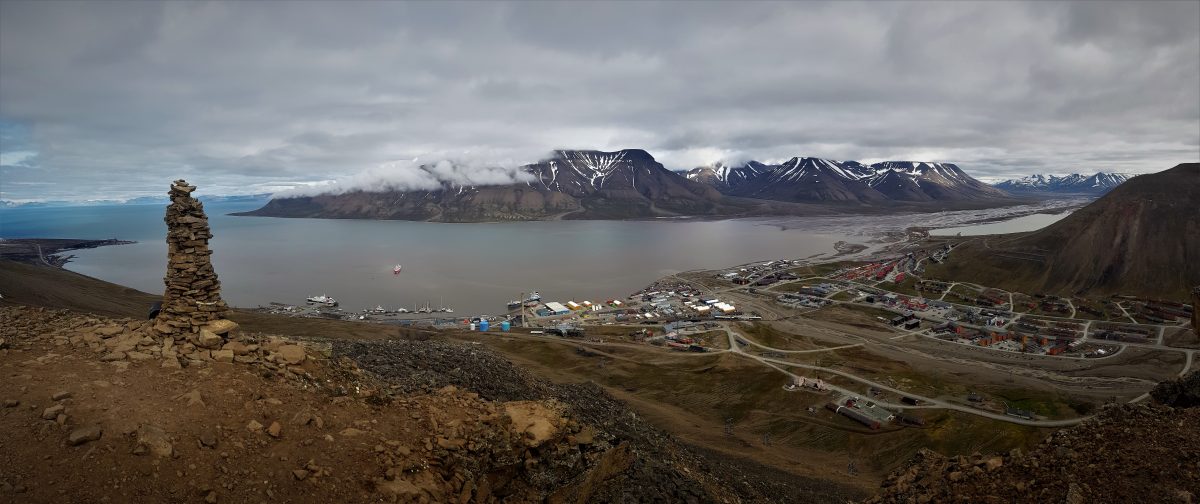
192 308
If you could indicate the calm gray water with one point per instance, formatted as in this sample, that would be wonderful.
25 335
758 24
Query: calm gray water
1025 223
474 268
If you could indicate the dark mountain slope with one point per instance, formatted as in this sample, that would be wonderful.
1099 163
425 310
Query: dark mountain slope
1142 238
815 180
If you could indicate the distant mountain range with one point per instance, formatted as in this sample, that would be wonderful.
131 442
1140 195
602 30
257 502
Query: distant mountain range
573 184
630 183
1097 184
1142 238
807 179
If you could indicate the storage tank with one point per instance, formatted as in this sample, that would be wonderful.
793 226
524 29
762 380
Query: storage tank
504 326
472 326
483 325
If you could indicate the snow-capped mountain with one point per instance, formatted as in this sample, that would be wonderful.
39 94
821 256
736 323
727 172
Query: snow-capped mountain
629 183
628 173
577 184
725 177
807 179
1074 183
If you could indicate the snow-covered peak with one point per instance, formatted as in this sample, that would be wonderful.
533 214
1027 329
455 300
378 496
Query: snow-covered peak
1075 182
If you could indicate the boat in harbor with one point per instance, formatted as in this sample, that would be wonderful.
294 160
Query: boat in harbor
401 310
322 300
425 309
534 299
396 270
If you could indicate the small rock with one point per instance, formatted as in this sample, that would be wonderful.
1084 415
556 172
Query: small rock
300 474
52 412
222 326
237 348
108 332
211 498
254 426
84 434
11 403
994 463
113 356
956 476
60 396
171 363
138 356
351 432
209 339
291 354
222 355
208 439
274 429
302 418
156 440
193 398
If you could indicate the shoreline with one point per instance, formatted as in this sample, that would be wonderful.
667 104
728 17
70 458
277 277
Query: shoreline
48 251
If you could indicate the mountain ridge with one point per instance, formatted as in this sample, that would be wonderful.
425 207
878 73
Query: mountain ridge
1098 183
631 184
810 179
1142 238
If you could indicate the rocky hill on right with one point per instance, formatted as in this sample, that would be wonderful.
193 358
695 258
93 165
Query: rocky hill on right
1127 453
1142 238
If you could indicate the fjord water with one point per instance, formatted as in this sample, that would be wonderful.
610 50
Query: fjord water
1025 223
475 268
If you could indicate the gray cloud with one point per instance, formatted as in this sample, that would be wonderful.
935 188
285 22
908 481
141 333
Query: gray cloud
108 100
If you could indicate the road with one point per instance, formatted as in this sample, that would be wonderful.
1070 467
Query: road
930 402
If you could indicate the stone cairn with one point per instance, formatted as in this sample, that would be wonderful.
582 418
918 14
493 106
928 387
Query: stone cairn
192 308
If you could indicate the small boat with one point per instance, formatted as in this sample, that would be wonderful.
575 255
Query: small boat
379 309
401 310
425 309
514 304
396 270
533 300
323 300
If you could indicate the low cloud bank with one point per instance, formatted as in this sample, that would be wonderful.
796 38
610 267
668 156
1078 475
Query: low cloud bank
416 176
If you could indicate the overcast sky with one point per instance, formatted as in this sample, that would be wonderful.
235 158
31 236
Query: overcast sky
112 100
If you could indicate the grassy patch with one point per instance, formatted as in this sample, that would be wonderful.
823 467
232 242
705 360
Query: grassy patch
774 338
908 286
846 295
1041 403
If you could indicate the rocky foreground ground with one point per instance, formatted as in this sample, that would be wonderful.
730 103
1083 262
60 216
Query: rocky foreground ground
1126 454
103 410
